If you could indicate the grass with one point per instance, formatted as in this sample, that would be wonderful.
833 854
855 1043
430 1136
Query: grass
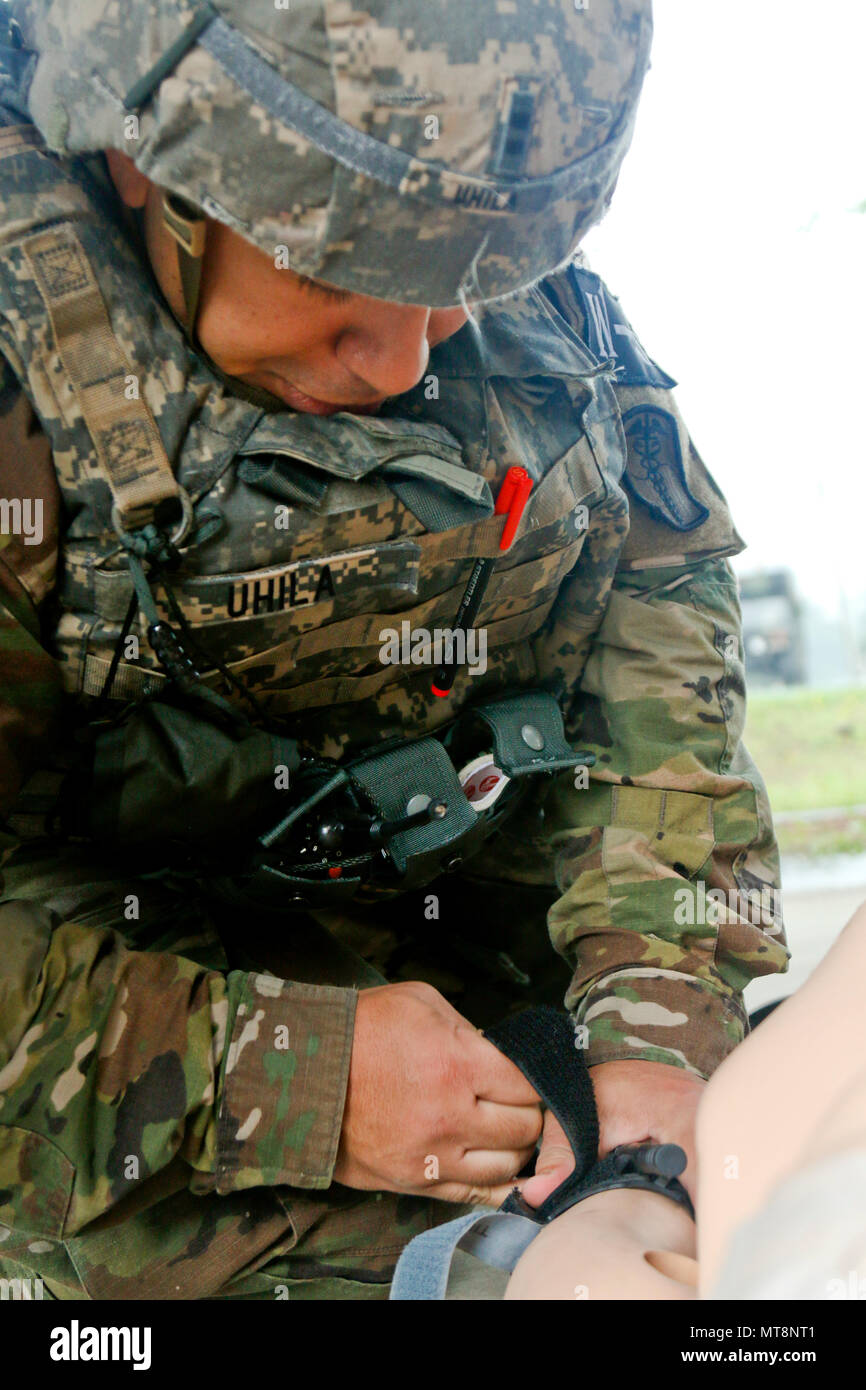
811 748
844 834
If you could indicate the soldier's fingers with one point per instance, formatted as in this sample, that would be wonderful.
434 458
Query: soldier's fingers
476 1196
495 1077
492 1167
499 1127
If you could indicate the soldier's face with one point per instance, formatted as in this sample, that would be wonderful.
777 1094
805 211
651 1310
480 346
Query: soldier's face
317 349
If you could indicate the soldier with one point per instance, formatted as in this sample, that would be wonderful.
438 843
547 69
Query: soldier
284 294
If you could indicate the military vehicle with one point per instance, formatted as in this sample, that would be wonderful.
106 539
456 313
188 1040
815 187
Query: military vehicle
773 628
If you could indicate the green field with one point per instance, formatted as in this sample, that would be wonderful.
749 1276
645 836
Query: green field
811 748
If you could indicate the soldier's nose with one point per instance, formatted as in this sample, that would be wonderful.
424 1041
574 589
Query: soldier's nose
387 347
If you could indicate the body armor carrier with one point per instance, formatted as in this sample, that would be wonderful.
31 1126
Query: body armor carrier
244 564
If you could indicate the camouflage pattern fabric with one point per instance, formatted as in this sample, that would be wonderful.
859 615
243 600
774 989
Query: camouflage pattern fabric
161 1078
190 1228
496 139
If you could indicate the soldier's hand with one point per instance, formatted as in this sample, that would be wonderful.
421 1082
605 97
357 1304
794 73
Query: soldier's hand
638 1102
432 1108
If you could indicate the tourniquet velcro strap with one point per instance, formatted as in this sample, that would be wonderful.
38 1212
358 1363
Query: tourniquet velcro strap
637 1166
541 1042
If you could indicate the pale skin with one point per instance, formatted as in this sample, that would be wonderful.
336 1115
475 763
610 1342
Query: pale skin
772 1109
794 1093
622 1244
419 1070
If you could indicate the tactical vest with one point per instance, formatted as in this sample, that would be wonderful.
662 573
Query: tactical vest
309 539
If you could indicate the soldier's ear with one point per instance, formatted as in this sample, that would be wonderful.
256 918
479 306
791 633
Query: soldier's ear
130 183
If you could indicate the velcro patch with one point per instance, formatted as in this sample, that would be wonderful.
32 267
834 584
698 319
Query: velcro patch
608 334
347 578
655 472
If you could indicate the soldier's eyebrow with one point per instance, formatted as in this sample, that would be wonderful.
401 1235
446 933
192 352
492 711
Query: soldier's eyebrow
316 287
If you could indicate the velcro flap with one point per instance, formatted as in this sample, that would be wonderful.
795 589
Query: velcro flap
528 734
392 778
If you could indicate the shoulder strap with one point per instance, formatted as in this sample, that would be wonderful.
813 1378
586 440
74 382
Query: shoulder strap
14 139
128 445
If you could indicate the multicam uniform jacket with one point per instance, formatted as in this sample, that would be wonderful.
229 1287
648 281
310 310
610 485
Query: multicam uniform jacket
127 1039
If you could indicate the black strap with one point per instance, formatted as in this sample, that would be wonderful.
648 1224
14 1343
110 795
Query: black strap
541 1042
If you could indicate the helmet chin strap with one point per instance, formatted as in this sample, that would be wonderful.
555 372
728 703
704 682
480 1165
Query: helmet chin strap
188 228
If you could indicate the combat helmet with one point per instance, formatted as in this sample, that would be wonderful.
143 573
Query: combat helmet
422 151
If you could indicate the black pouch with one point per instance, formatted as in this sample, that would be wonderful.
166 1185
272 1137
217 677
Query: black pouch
522 732
169 773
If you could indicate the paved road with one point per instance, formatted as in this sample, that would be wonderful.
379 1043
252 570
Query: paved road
818 901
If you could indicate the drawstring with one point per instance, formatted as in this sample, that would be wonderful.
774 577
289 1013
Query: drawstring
195 644
150 544
108 683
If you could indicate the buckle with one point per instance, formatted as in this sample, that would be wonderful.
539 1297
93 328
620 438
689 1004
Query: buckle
175 537
185 223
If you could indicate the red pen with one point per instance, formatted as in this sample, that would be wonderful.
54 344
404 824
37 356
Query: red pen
510 503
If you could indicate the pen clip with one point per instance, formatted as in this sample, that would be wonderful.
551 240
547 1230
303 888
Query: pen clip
515 490
508 489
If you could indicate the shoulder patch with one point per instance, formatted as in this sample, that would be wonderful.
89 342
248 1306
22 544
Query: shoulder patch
608 333
655 473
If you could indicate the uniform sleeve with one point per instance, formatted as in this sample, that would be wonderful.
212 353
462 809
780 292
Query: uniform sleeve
665 857
116 1062
666 861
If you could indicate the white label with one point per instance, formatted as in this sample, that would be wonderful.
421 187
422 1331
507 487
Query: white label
482 782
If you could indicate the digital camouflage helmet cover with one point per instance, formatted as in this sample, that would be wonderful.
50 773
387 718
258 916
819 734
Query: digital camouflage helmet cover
413 150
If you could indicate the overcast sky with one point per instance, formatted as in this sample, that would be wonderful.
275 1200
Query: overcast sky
733 245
